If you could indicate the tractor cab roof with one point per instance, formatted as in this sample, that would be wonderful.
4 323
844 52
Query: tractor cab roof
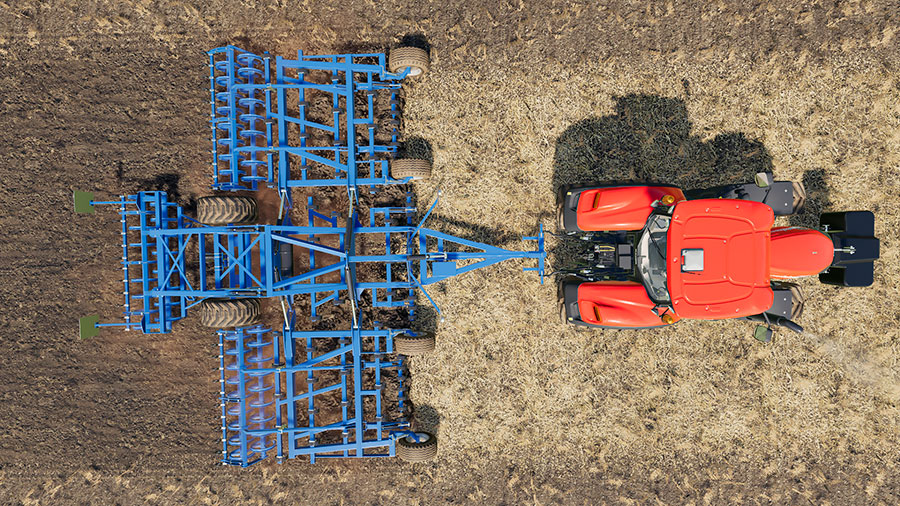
718 258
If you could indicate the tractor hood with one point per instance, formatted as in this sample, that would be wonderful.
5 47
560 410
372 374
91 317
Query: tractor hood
718 258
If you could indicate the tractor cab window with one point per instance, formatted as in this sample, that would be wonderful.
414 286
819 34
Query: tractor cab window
651 257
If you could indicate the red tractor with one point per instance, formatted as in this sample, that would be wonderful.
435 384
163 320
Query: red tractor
657 254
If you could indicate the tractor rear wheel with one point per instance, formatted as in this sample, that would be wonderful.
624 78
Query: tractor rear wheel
402 168
227 210
797 298
799 197
411 451
414 345
223 313
560 217
563 316
413 57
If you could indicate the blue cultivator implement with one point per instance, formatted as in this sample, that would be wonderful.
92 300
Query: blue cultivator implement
272 381
261 126
296 391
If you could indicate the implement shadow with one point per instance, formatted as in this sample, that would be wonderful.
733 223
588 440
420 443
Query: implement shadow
649 139
416 39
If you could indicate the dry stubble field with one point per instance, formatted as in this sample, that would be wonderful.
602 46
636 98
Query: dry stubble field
522 97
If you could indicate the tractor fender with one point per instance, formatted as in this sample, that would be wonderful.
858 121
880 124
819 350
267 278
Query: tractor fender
797 251
611 208
611 304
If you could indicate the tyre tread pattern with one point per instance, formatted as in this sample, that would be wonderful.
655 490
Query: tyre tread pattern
225 210
417 452
222 313
402 168
414 345
402 57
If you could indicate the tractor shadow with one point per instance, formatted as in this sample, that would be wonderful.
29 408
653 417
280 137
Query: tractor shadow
649 139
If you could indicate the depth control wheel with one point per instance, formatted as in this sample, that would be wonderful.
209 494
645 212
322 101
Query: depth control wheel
422 450
414 345
415 58
417 169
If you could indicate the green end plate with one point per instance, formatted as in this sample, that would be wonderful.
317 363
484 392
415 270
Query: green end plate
763 334
83 202
87 326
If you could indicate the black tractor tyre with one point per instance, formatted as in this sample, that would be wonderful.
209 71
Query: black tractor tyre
797 301
227 210
224 313
799 200
560 218
414 345
411 451
797 298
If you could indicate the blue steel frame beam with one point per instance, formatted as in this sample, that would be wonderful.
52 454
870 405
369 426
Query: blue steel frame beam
243 263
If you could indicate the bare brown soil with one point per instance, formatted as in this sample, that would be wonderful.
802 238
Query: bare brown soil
522 97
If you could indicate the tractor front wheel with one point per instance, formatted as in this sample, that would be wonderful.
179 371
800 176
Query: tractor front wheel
560 217
799 192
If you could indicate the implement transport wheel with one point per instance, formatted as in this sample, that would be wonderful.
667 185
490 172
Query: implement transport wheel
411 451
414 345
402 168
222 313
228 210
413 57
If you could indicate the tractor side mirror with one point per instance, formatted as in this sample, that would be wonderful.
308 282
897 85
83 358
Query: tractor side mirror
763 334
763 179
